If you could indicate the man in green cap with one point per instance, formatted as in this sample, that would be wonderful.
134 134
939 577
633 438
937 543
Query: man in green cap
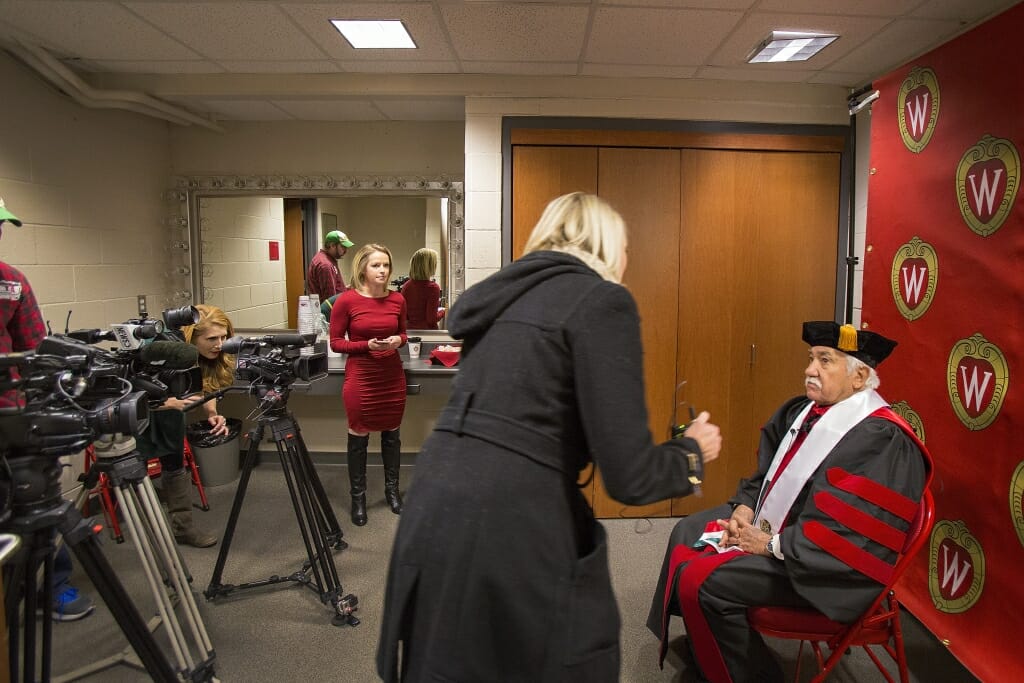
21 329
323 277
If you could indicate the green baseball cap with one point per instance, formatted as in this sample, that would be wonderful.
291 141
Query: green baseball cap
6 215
337 236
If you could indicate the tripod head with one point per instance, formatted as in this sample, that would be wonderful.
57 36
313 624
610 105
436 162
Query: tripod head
272 364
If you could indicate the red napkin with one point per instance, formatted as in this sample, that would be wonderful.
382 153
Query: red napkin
446 358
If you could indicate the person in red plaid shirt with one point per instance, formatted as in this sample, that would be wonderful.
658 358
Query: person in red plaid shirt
22 329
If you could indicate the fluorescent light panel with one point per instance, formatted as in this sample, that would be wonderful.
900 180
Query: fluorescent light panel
367 34
789 46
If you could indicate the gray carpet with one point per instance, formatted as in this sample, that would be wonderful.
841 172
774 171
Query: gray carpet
284 632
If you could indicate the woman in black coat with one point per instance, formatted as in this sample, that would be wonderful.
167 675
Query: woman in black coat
499 570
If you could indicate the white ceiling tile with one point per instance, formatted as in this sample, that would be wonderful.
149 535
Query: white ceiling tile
508 32
92 30
331 110
756 27
860 8
685 4
231 30
637 71
969 11
900 42
521 68
657 36
419 20
400 67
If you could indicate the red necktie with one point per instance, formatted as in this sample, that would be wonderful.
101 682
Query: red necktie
805 427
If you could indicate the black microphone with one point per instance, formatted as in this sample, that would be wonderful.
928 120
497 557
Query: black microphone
92 336
169 355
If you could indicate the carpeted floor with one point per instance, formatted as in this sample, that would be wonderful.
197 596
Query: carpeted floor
283 632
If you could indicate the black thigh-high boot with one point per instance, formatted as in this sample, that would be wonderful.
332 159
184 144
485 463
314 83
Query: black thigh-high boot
357 476
391 454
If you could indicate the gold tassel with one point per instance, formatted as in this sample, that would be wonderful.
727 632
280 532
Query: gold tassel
847 338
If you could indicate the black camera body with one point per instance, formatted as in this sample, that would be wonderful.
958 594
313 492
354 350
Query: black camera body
73 394
276 359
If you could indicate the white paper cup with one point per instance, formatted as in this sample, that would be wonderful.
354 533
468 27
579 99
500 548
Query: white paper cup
414 350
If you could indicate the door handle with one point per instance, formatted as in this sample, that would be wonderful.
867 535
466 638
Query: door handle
753 354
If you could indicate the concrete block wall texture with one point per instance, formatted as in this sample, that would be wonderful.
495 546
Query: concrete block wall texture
88 185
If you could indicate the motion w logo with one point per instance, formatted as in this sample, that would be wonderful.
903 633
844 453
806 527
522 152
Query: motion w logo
954 571
917 108
913 283
916 112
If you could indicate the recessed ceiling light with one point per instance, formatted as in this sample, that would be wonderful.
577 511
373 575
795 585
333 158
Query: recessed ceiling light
789 46
364 34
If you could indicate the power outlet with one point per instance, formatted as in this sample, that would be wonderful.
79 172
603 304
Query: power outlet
142 307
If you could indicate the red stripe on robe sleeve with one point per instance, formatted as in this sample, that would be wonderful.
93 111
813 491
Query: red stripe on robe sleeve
873 492
860 522
847 553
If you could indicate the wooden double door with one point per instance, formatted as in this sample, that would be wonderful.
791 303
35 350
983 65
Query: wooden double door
730 250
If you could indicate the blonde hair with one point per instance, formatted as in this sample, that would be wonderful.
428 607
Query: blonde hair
360 260
219 372
586 227
423 264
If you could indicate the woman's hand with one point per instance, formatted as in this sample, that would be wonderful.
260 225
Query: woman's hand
218 425
386 344
707 435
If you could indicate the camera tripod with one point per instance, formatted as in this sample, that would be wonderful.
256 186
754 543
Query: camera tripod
39 511
318 525
162 563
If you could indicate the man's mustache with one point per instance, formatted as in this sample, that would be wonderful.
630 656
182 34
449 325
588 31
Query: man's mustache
813 382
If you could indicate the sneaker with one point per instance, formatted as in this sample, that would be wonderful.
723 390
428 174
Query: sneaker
70 605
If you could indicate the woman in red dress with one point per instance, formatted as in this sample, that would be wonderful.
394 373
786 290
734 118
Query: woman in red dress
368 324
422 294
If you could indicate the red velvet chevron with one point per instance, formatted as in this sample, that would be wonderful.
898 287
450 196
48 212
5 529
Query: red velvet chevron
861 523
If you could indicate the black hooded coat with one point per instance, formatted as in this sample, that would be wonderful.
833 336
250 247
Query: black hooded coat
499 570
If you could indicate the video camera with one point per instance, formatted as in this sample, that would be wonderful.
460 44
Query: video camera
135 332
73 394
276 359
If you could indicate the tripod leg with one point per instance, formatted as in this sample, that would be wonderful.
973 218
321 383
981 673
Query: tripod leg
82 541
251 456
334 538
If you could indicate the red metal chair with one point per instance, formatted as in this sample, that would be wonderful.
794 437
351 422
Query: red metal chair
879 625
153 469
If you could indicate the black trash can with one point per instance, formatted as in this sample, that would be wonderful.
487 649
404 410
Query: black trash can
216 456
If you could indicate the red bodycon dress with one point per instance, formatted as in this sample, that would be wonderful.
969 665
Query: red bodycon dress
374 388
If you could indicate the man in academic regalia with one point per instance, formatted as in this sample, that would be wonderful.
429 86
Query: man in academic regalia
794 534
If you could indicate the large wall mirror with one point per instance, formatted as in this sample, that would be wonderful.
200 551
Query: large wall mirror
250 238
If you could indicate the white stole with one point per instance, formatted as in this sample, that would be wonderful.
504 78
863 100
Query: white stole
830 428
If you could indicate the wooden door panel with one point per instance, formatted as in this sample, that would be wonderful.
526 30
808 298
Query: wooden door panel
715 309
765 226
643 186
799 216
540 174
294 267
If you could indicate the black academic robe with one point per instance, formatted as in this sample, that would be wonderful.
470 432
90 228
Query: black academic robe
880 450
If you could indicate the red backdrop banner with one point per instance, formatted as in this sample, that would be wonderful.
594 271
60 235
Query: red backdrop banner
944 275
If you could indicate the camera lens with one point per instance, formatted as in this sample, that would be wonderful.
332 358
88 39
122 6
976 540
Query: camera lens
176 317
127 415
